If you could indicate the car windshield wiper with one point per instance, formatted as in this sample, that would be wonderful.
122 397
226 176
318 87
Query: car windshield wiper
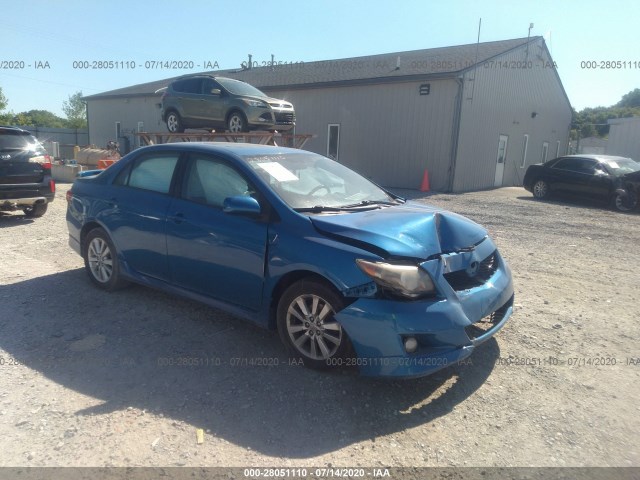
366 203
322 208
363 205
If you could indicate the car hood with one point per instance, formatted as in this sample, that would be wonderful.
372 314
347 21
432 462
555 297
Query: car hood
408 230
272 101
632 176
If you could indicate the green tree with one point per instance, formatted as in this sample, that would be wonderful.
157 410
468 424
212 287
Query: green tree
39 118
593 121
3 100
75 110
631 99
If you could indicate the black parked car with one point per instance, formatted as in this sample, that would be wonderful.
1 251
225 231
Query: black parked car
25 173
615 180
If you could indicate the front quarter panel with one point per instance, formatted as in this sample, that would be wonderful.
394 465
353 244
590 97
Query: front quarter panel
299 247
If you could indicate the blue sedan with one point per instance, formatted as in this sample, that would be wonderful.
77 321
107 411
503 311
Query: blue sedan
346 272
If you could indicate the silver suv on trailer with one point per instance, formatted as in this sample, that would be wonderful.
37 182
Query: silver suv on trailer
205 101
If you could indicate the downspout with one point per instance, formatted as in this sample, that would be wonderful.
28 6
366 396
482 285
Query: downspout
455 132
86 109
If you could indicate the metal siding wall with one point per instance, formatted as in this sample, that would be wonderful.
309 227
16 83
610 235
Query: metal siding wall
502 103
61 135
624 139
388 132
104 113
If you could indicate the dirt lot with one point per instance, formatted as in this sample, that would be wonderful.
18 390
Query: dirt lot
96 379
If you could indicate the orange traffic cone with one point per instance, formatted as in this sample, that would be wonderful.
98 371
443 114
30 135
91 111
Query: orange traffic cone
424 186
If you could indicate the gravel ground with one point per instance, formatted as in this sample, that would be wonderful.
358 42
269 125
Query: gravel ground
90 378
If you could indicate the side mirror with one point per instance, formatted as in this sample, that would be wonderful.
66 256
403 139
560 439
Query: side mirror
241 205
215 91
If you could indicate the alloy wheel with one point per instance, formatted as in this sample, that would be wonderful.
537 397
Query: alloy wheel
236 124
100 260
312 328
540 189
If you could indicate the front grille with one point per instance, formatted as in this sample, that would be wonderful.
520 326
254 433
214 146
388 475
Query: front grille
285 118
464 279
485 324
281 105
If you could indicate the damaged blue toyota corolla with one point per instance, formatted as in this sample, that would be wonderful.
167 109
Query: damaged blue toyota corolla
348 273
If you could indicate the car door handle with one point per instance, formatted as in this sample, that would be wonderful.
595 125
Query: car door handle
177 218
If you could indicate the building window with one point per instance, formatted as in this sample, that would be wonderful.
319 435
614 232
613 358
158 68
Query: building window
557 148
333 140
545 150
525 144
118 131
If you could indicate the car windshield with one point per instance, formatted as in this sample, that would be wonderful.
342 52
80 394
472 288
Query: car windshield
622 166
310 181
240 88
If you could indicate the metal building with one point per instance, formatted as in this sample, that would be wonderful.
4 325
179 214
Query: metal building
475 116
624 137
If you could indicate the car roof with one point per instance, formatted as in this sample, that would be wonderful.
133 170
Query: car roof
240 149
207 75
601 158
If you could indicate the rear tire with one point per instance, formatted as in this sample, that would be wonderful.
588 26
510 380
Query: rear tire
307 326
174 122
101 261
37 210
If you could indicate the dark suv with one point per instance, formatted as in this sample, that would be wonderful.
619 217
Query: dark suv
205 101
25 173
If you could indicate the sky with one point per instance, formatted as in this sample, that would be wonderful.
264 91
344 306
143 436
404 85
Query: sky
45 44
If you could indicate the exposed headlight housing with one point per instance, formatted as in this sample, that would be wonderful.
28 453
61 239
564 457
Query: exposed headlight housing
406 280
255 103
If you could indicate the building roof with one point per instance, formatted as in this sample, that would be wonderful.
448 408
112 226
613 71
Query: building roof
388 67
619 121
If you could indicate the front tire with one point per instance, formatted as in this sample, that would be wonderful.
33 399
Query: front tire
540 189
101 261
307 326
174 123
35 211
236 123
625 202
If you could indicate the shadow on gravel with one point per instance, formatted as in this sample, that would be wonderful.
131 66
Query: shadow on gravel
574 202
13 219
141 348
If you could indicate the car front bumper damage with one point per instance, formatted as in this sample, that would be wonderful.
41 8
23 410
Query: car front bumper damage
447 328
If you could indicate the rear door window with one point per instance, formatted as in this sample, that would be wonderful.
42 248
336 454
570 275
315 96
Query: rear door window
189 85
153 172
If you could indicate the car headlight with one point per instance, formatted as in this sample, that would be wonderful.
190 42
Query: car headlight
407 280
254 103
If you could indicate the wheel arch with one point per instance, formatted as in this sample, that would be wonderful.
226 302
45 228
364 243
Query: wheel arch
289 279
86 228
170 110
233 110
